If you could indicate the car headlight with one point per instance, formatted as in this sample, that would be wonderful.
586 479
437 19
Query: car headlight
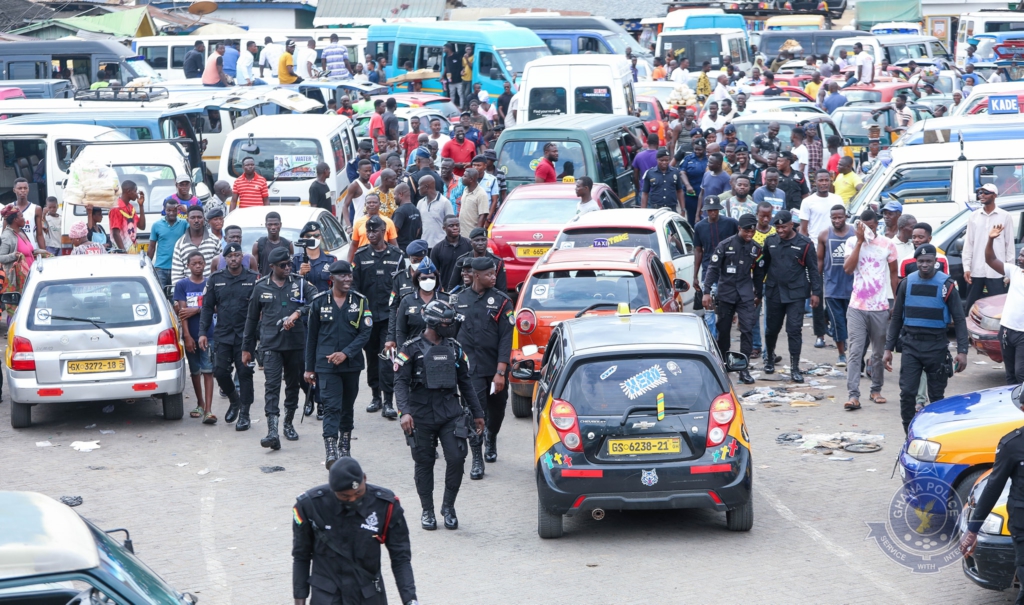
925 451
990 323
993 525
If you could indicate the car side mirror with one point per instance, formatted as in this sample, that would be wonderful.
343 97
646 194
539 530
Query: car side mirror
735 362
10 298
495 74
681 284
524 370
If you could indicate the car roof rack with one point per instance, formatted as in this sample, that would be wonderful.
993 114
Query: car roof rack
123 93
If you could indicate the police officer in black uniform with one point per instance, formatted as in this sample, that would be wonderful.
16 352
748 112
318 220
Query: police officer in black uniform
227 294
409 319
339 528
926 302
738 270
313 265
431 366
340 323
486 336
478 239
373 272
278 303
464 267
791 266
405 283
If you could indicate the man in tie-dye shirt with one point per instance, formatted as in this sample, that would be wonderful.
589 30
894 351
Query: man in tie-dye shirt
871 259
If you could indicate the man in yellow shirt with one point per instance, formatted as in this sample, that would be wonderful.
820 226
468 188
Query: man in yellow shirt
467 77
814 86
847 182
286 65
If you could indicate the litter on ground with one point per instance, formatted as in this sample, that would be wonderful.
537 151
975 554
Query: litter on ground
43 444
85 446
205 471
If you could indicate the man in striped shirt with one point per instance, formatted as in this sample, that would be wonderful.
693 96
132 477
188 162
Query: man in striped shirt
335 60
196 237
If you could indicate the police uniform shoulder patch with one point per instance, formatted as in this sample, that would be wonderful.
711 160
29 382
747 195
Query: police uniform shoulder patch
321 294
714 257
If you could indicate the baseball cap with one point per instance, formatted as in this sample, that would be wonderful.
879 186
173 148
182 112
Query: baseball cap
893 206
990 188
182 178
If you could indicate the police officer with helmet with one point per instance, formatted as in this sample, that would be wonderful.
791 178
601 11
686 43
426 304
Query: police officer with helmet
340 323
337 532
738 270
926 302
486 336
431 366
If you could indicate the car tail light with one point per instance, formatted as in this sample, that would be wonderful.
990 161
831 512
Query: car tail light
24 358
526 321
645 310
723 410
168 349
563 417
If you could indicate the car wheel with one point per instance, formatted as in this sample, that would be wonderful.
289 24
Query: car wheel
21 415
174 407
548 525
963 489
740 518
521 406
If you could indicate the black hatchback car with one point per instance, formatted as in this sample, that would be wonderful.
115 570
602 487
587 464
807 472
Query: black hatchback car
637 412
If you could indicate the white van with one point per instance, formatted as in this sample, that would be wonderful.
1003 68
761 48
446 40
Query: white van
287 149
895 48
699 45
932 182
987 22
981 92
572 84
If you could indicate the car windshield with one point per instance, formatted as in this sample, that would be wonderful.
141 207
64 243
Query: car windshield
143 69
577 289
607 387
748 131
856 123
112 302
605 237
279 159
132 572
772 44
536 211
871 96
250 235
519 158
444 107
515 59
156 181
952 228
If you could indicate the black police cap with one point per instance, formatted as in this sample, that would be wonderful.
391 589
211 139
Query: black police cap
345 473
279 255
340 266
483 263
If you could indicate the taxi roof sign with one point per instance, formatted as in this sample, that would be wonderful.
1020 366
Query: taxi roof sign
1003 104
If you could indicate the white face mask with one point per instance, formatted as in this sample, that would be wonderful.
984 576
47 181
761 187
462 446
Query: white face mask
428 284
316 242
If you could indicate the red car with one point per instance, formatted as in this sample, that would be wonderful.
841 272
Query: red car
531 217
424 99
653 115
879 92
983 326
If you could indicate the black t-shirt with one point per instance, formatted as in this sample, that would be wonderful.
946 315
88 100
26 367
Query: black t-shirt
391 126
503 102
320 196
419 174
453 67
408 224
795 186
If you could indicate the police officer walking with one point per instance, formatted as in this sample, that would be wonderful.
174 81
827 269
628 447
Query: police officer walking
478 239
374 267
431 366
662 185
340 323
738 270
338 529
313 265
277 305
926 301
486 337
791 266
408 319
227 294
405 283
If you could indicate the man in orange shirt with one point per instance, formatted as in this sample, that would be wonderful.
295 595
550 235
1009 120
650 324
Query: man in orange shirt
460 150
250 189
659 70
359 239
377 124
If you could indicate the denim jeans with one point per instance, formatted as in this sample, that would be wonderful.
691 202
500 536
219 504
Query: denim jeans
758 327
163 276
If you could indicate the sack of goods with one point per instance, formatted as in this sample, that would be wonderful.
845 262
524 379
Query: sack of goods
930 74
682 95
791 46
91 183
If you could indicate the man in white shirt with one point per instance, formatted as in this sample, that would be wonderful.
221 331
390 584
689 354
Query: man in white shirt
270 55
305 60
977 273
904 115
802 156
865 65
584 184
681 73
243 69
1011 323
436 134
816 209
721 91
713 121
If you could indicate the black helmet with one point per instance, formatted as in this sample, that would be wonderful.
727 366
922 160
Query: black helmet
437 313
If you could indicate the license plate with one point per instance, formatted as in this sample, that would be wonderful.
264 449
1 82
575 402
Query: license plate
95 366
633 447
856 150
533 251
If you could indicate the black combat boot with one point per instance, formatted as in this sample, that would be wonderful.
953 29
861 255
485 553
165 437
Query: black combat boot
232 414
346 445
477 470
320 411
745 377
331 445
289 428
243 418
769 363
389 411
376 403
490 446
427 520
794 370
450 520
272 440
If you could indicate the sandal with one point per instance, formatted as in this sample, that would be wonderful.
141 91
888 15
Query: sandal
851 405
196 413
209 418
877 398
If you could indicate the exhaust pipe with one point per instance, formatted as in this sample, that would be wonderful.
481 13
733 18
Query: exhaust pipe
597 514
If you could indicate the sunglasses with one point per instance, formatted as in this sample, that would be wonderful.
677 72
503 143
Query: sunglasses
283 265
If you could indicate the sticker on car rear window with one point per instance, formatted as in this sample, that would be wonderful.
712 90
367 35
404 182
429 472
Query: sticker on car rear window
639 384
618 239
600 243
673 367
141 312
565 245
43 317
609 372
541 291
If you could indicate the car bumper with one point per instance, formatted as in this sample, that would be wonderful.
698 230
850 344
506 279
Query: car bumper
564 491
169 380
986 342
933 478
992 564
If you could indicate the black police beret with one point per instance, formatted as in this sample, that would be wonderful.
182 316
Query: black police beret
309 228
232 247
748 221
374 223
782 217
345 473
279 255
340 266
483 263
478 232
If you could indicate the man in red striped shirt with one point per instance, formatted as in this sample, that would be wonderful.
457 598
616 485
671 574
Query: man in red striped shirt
250 189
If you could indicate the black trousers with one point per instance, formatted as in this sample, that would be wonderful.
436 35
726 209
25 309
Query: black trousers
820 319
744 311
494 406
339 390
424 453
920 355
277 365
994 285
1012 344
380 373
792 314
226 355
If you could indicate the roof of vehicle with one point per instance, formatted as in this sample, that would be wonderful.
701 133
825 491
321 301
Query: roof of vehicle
707 31
618 217
612 60
862 107
582 121
403 112
419 97
794 117
972 150
256 216
834 33
668 330
40 536
883 85
608 258
291 124
48 47
501 34
62 268
885 39
550 190
159 152
984 126
82 132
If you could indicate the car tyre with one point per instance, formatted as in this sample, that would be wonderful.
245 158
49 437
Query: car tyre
174 407
740 518
521 406
549 525
963 489
21 415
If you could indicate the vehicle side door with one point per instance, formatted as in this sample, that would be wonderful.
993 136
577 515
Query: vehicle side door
680 244
551 363
663 286
27 67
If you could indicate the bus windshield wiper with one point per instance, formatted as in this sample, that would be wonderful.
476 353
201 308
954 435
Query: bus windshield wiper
85 319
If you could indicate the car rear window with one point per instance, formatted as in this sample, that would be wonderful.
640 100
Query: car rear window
536 211
748 131
519 158
856 123
607 237
609 386
578 289
113 302
872 96
279 159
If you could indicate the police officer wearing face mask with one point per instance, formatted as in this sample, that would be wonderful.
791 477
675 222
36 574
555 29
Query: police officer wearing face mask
405 283
340 323
338 529
409 320
478 239
278 303
431 366
373 272
486 336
